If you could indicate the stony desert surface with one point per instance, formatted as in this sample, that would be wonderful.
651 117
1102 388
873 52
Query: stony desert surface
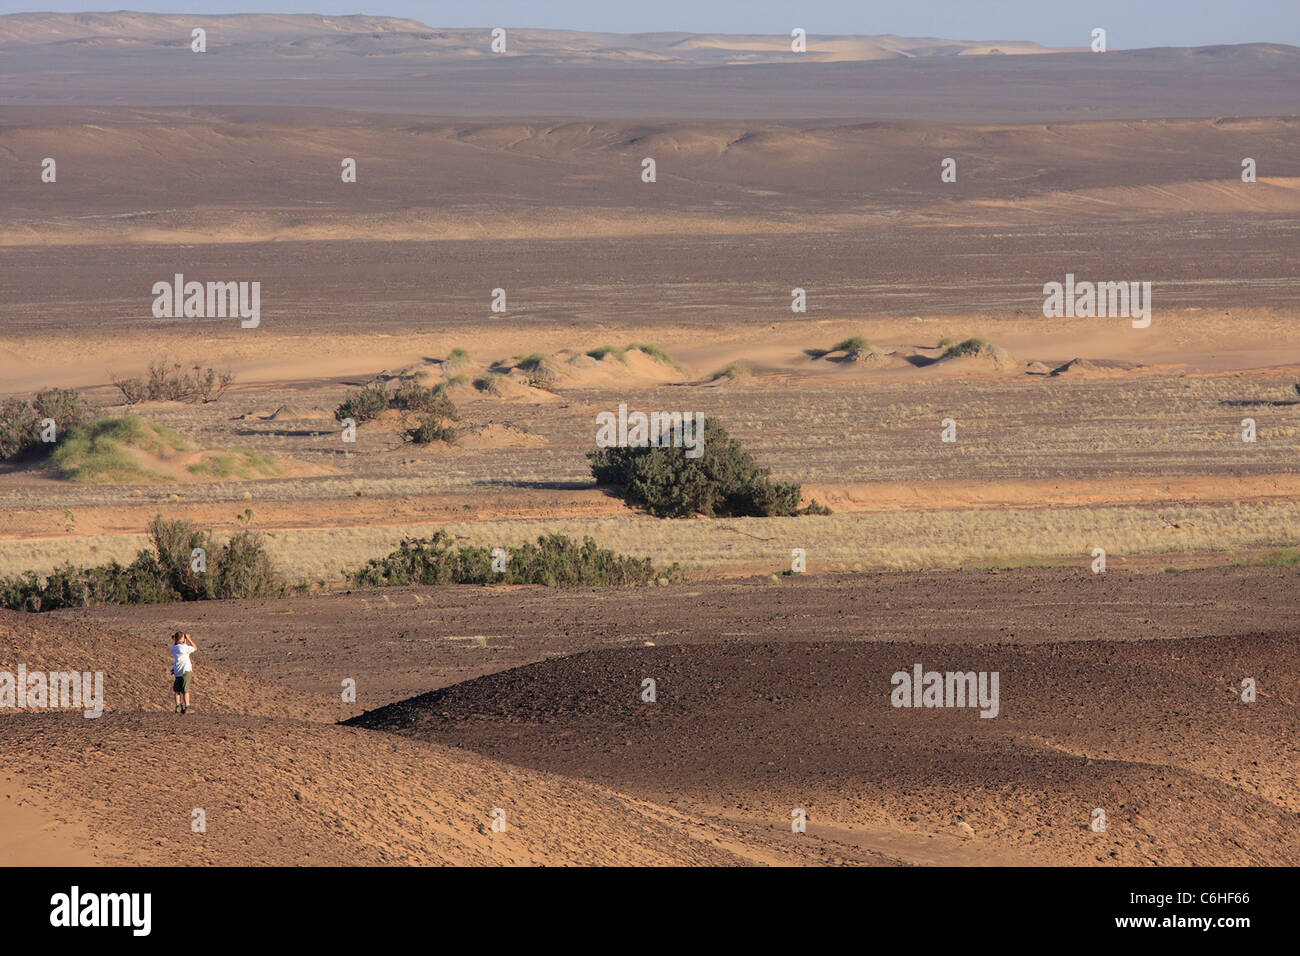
522 172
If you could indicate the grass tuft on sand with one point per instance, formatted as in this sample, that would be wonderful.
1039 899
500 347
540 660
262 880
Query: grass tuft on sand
98 451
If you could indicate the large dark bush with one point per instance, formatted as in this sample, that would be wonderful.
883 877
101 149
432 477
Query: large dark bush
724 481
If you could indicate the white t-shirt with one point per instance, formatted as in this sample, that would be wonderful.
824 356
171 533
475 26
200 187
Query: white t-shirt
181 658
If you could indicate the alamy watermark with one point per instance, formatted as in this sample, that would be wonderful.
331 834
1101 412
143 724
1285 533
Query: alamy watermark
653 430
52 690
213 300
922 688
1100 300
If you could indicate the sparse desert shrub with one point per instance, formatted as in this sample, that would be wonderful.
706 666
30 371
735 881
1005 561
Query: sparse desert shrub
733 371
969 347
411 396
656 353
459 379
429 430
602 351
175 543
456 358
370 401
855 343
170 381
559 561
244 569
364 404
436 560
489 384
21 421
554 561
539 371
945 343
724 481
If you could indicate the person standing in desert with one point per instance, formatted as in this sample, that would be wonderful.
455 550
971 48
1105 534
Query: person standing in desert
182 647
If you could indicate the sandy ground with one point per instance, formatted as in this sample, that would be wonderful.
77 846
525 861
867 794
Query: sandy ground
523 172
1121 693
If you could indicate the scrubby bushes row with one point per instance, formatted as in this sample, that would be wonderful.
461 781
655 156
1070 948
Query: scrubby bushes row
555 561
724 481
175 382
22 421
184 565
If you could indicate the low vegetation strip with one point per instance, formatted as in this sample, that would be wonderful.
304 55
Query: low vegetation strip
554 561
185 564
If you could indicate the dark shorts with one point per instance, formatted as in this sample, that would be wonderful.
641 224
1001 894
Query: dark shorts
181 684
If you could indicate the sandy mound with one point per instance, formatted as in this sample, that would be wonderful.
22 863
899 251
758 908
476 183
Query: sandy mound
278 783
628 367
983 358
498 435
134 670
876 359
1079 726
131 451
1090 368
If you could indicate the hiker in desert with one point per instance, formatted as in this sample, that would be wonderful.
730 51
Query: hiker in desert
182 647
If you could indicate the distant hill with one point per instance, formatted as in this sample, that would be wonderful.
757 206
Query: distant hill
400 66
304 34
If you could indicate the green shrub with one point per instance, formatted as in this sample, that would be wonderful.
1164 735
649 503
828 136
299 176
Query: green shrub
559 561
724 481
969 347
240 568
489 384
371 401
411 396
530 363
244 569
554 561
363 404
733 371
600 353
21 421
435 560
656 353
430 430
856 343
456 358
539 370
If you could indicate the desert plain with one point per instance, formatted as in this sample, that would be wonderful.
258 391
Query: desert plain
1121 689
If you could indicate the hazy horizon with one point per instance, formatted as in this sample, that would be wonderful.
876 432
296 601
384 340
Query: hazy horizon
1159 23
